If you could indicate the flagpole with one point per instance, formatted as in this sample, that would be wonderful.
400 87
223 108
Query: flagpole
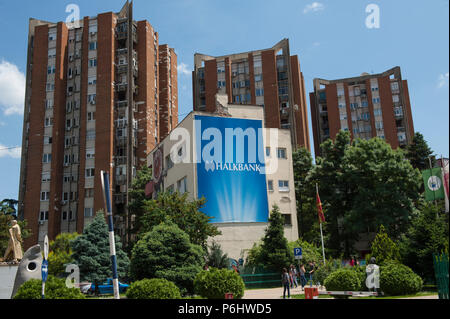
321 233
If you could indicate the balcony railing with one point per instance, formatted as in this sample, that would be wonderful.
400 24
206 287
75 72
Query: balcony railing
120 198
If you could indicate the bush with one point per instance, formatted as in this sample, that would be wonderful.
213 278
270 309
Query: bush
215 283
344 279
323 271
157 288
55 288
397 279
362 275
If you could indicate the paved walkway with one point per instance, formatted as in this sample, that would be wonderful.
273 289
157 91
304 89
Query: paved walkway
277 293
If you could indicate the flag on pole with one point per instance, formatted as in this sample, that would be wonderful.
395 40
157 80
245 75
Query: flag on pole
319 209
434 187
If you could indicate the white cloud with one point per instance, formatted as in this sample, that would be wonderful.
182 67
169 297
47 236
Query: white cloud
14 152
12 88
313 7
183 69
443 80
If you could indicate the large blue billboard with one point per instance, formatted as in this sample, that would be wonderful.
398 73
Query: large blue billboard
230 169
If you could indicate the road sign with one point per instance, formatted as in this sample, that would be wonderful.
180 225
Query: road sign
298 253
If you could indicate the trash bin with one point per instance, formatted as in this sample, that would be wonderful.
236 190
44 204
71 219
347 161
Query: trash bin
311 293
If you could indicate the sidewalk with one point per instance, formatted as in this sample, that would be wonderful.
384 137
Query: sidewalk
271 293
277 293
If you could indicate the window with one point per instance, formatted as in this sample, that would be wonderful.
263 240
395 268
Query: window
90 153
88 212
379 125
51 70
50 87
71 215
377 112
92 80
51 53
267 151
93 45
281 153
259 92
48 121
49 103
92 98
258 77
376 100
89 192
364 104
283 186
341 106
43 216
65 196
394 86
64 215
171 189
90 135
395 98
91 116
90 172
287 219
374 88
45 196
93 28
92 63
47 140
52 36
340 92
66 159
270 185
46 177
182 185
221 84
47 158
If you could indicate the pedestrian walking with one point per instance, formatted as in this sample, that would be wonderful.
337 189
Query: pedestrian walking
285 282
302 276
293 274
312 269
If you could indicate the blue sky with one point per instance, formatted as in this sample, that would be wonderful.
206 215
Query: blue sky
329 36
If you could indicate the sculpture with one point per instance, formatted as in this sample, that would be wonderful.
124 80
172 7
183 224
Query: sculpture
14 250
29 268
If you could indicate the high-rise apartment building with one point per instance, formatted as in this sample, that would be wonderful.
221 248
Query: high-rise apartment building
371 105
270 78
100 94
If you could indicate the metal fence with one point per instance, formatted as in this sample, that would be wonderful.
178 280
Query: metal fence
255 277
441 271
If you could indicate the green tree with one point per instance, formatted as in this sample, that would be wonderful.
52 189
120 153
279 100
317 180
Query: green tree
418 152
383 187
216 258
60 253
308 227
383 248
428 234
336 198
166 252
8 207
275 253
363 185
183 212
136 205
92 255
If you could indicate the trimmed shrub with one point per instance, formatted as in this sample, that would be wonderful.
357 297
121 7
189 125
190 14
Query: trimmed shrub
215 283
156 288
344 279
323 271
397 279
55 288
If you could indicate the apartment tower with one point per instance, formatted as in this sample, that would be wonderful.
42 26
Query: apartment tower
371 105
100 94
270 78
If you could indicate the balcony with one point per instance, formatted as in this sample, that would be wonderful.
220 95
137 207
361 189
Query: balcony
122 51
121 104
121 141
121 87
401 129
120 198
120 160
122 68
121 179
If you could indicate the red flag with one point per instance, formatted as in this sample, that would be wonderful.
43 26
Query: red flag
320 210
